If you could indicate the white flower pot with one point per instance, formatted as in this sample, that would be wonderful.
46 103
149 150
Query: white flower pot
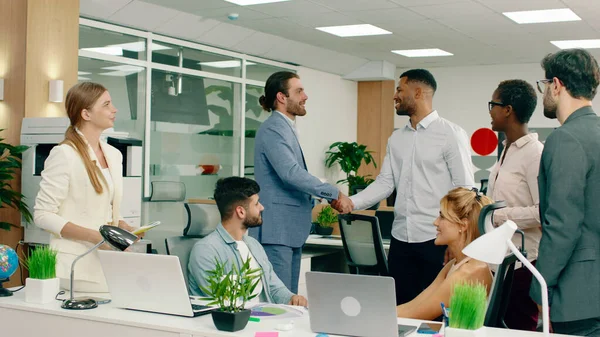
41 291
453 332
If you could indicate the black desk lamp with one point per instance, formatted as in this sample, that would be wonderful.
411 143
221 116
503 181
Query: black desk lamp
119 239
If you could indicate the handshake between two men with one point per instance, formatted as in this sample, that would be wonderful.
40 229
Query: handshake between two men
342 204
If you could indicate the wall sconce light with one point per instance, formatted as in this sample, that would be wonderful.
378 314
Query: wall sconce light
56 91
1 89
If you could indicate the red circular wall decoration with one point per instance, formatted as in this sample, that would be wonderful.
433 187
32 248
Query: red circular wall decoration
484 141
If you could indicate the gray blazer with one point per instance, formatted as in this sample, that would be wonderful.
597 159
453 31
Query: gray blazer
569 184
286 186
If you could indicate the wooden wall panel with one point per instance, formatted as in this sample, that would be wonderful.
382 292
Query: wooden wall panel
52 44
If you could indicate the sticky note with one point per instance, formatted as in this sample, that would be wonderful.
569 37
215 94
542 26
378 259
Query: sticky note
266 334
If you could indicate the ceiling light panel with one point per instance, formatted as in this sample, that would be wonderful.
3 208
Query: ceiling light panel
543 16
354 30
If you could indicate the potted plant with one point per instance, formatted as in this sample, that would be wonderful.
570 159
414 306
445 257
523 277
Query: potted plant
10 163
326 221
350 157
42 285
230 288
468 305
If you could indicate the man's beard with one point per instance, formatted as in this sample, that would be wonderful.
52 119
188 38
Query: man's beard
296 109
406 109
550 107
253 222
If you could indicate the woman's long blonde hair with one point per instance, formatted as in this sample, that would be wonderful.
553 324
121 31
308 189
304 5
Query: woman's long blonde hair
83 96
460 204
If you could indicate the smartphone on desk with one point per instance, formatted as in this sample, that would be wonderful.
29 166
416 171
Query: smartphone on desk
429 328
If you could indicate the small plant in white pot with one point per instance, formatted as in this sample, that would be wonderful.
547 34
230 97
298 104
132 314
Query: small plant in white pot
230 288
42 285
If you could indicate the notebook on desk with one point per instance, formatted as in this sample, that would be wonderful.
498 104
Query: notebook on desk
148 282
365 306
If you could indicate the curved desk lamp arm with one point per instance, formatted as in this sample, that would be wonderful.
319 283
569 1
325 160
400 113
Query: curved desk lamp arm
73 266
538 276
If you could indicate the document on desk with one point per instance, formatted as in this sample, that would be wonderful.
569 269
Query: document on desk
146 228
269 310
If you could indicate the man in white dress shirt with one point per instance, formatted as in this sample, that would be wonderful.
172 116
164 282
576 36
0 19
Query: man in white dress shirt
424 160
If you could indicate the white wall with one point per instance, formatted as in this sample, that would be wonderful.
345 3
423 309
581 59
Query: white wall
331 117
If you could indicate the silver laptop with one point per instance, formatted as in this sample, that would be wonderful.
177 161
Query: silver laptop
353 305
148 282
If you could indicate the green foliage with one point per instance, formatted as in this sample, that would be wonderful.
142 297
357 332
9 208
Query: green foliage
230 290
350 157
468 305
41 263
10 163
327 217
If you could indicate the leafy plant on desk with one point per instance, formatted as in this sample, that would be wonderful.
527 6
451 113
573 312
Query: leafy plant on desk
41 263
327 217
230 290
10 164
468 305
350 157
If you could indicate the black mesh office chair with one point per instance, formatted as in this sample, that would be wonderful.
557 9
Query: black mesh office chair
363 246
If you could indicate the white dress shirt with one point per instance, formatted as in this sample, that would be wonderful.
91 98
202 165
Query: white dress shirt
245 254
423 164
515 181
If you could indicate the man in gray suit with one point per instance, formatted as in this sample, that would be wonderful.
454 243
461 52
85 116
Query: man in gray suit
286 186
569 184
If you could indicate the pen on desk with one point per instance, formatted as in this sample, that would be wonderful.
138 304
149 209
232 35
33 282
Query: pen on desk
253 319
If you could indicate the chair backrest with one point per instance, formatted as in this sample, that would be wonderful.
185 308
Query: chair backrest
486 216
202 219
362 242
484 186
181 246
500 293
167 191
386 220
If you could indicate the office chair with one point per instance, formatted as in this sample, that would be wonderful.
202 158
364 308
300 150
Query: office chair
354 189
363 246
484 186
503 277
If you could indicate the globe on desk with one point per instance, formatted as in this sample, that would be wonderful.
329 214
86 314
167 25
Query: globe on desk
8 265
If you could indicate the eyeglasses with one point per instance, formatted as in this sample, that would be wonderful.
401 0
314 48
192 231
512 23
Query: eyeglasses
492 103
545 81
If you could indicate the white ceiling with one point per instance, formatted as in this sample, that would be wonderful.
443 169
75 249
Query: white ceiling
475 31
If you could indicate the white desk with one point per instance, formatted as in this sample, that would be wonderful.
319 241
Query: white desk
333 241
18 318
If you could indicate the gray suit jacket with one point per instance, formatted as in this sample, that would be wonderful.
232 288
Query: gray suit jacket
569 184
285 185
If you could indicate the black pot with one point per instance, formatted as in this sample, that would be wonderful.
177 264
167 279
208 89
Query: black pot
323 230
230 321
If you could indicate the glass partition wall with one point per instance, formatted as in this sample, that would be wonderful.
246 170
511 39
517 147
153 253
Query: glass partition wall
194 107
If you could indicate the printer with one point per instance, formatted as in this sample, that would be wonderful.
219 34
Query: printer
41 135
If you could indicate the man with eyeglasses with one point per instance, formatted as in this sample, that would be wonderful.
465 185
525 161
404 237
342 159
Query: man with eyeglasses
569 185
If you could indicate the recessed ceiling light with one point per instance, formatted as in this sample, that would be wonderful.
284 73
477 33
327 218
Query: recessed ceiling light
225 64
253 2
83 73
354 30
118 73
80 78
127 68
139 46
569 44
422 52
116 51
543 16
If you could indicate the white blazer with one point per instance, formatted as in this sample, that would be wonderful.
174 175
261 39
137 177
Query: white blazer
66 195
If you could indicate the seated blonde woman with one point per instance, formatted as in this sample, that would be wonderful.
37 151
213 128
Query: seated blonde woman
456 228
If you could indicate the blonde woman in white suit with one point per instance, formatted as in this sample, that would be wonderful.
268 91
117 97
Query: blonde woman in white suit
81 187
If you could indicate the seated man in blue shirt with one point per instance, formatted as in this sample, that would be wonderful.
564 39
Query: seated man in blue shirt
237 200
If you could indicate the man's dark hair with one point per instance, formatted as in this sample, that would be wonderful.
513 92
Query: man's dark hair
577 69
277 82
232 192
520 95
421 76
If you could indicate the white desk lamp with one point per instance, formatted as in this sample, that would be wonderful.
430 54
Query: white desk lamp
491 248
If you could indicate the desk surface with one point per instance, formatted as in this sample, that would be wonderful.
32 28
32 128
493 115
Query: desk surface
333 241
16 312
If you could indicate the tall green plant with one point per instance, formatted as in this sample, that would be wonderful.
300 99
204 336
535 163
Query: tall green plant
41 263
467 305
350 157
230 290
10 163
